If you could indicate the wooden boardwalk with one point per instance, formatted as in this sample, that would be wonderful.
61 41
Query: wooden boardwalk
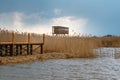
19 48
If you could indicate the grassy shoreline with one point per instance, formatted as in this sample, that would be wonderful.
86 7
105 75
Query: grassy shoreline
36 57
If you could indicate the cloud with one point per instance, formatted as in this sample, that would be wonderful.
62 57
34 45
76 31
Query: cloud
17 21
76 25
6 19
11 20
57 11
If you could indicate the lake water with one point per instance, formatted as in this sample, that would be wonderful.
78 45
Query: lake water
102 68
63 69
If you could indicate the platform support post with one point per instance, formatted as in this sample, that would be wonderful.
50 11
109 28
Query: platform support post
28 49
6 50
0 49
11 49
41 49
20 49
31 49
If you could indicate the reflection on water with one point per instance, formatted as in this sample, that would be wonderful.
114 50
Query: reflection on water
63 69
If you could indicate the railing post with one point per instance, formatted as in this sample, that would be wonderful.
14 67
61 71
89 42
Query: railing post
28 46
12 45
13 37
28 38
43 38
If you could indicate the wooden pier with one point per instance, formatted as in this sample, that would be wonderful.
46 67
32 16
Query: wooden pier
18 48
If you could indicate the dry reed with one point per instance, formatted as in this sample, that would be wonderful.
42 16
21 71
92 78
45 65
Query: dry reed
71 46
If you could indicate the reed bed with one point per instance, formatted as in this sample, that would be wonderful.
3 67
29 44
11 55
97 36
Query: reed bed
113 41
71 46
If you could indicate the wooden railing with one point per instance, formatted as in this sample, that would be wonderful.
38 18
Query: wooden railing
18 48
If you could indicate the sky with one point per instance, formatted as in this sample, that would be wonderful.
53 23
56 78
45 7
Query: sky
89 17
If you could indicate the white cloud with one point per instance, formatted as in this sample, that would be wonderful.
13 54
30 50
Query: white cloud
57 11
6 19
75 24
15 21
11 21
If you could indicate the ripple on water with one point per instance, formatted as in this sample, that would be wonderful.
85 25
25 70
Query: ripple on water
63 69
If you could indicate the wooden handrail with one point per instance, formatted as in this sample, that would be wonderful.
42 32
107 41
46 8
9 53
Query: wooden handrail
29 39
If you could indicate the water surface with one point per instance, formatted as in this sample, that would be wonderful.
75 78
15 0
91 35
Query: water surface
63 69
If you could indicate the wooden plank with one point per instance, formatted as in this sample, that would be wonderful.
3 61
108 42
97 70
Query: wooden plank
4 43
23 43
20 43
36 43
